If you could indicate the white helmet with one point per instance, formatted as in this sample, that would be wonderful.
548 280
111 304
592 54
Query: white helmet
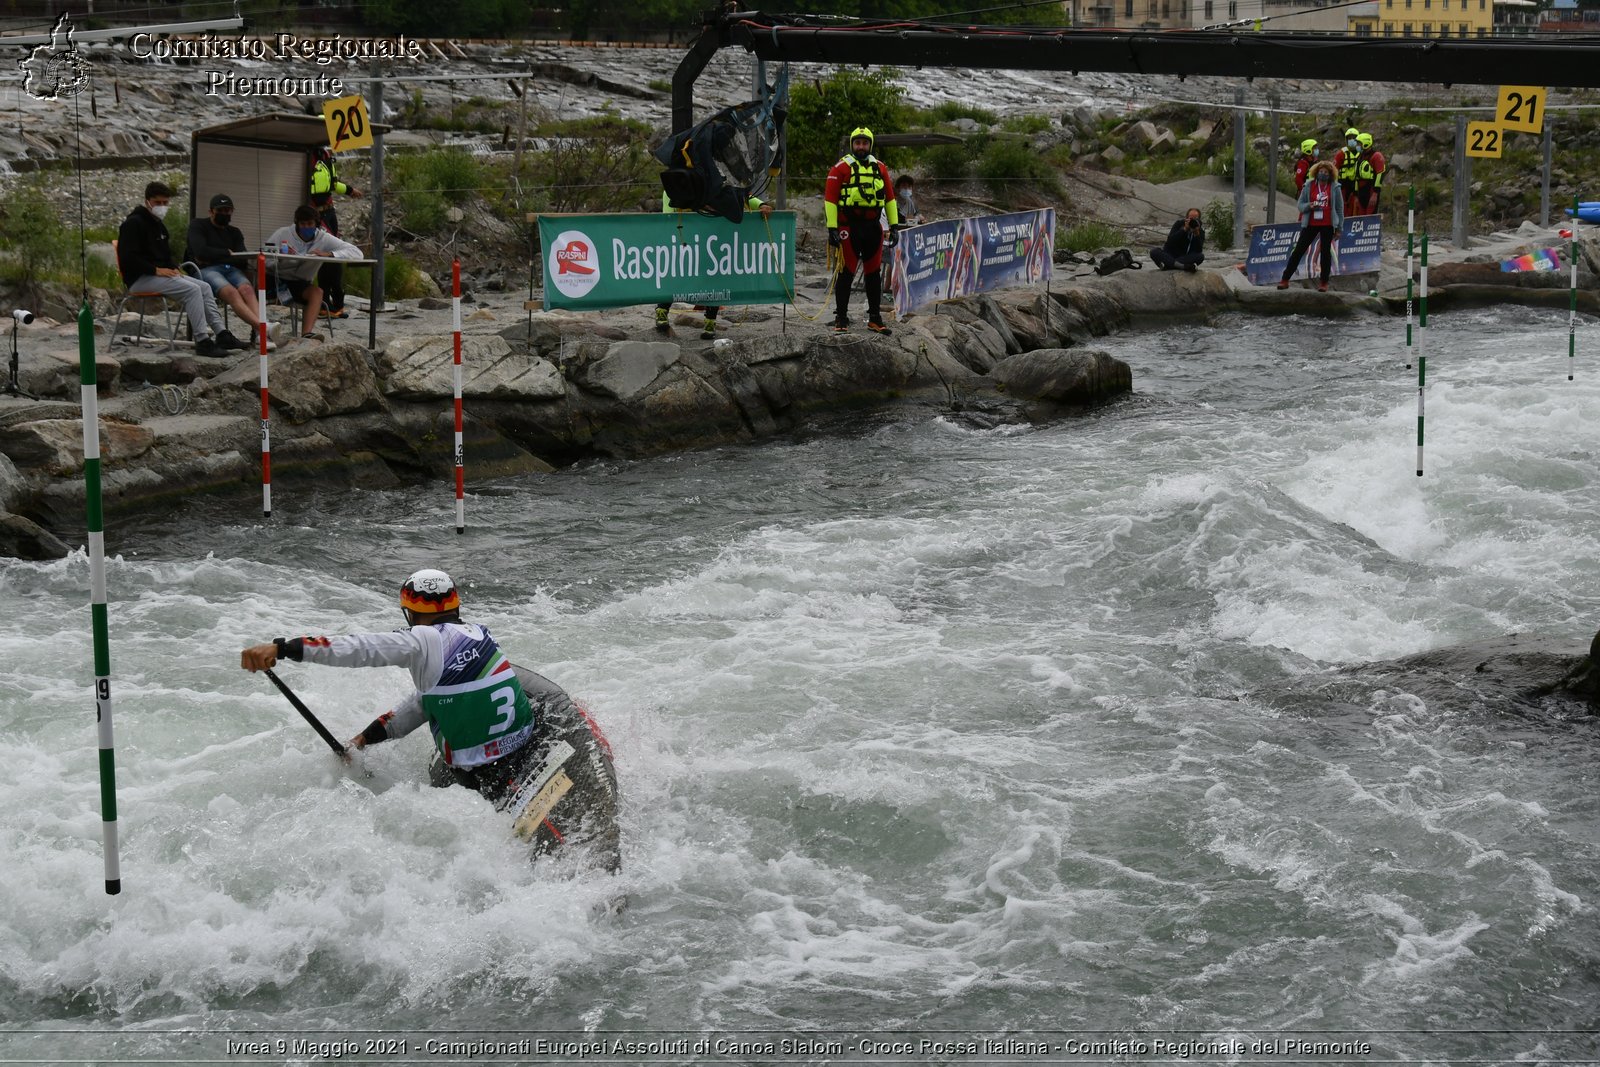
429 592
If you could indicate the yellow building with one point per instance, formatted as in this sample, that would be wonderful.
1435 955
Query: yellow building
1426 18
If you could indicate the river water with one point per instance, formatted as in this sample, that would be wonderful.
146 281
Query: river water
926 732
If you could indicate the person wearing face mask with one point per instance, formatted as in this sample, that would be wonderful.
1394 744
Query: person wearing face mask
1321 216
324 183
1346 163
1302 166
211 242
1370 166
1185 244
857 194
298 276
144 259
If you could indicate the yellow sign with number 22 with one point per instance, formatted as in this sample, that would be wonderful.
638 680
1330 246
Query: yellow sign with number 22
1484 140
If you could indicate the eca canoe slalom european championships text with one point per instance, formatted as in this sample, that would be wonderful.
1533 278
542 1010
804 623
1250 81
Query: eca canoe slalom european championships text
810 1047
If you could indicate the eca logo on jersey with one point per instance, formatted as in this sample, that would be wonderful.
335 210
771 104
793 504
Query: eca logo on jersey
574 265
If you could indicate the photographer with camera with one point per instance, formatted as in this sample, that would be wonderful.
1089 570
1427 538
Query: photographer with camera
1185 244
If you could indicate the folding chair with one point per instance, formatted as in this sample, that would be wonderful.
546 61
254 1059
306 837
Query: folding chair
297 311
140 301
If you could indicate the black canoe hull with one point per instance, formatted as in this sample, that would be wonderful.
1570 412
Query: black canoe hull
560 791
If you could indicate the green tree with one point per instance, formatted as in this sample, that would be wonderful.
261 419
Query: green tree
822 115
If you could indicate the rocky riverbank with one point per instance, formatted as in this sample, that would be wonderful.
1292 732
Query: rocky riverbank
547 388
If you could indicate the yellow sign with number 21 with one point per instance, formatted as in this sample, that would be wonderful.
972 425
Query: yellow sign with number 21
1521 108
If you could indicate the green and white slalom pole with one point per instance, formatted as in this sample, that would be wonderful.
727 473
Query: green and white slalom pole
1422 355
1411 231
97 594
1572 294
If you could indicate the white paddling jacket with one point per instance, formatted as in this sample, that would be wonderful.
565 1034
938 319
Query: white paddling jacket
467 690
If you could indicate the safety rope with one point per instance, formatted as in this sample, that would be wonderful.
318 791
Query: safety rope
174 399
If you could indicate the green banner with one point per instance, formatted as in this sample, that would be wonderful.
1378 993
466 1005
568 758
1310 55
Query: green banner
608 261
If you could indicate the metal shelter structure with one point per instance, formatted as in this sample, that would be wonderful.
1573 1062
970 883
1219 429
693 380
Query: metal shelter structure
264 164
1564 62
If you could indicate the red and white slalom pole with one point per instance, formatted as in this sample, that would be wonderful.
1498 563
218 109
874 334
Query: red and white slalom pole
266 425
461 470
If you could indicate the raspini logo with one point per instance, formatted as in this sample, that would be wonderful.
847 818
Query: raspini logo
574 264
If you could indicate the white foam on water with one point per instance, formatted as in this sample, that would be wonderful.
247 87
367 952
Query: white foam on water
964 746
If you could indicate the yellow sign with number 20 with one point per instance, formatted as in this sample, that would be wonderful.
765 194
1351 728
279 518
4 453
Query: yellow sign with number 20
347 123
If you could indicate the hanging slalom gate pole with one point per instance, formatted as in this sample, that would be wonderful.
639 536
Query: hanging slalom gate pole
97 598
1422 355
1572 293
1411 227
266 423
461 470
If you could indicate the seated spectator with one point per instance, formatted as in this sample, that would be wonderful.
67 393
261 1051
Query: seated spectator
296 278
210 243
144 258
1185 244
905 191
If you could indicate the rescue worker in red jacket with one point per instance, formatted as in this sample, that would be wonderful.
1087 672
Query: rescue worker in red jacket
1370 166
1345 162
1302 166
858 191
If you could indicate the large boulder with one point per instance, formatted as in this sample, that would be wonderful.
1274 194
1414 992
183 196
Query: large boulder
50 372
549 333
1152 293
55 446
973 343
423 368
308 382
22 538
1517 674
152 367
1052 381
12 485
627 368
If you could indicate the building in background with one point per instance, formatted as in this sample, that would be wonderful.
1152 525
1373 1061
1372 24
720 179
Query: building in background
1426 18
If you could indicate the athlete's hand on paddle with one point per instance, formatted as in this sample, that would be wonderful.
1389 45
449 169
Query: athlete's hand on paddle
259 657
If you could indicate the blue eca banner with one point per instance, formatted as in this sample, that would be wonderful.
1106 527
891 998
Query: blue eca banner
1357 251
607 261
959 257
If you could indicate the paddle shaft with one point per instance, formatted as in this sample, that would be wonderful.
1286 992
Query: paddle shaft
305 712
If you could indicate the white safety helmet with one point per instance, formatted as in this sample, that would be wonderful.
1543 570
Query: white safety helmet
429 592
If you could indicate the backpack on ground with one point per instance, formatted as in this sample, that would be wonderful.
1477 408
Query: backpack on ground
1121 259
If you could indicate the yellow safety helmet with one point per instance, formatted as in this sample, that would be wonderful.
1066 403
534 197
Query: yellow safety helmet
1365 139
1352 132
1308 145
862 131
